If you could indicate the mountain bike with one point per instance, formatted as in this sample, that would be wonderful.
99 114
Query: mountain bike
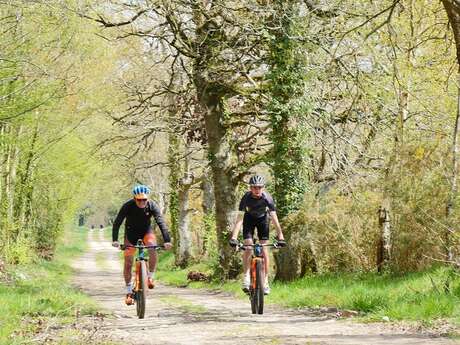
257 274
140 282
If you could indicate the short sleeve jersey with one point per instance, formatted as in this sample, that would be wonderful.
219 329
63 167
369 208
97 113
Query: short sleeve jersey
257 207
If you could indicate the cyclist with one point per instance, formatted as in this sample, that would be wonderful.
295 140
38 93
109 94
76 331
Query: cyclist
138 213
256 207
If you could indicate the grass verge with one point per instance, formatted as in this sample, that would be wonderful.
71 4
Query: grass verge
39 296
417 296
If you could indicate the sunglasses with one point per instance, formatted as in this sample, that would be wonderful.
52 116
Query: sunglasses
140 199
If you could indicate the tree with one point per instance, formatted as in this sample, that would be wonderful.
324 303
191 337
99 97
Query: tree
288 109
453 13
204 43
46 97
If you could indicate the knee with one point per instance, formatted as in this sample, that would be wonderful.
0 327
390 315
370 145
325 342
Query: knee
248 241
128 263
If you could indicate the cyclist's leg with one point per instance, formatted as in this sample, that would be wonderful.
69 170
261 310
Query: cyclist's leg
127 272
263 234
150 240
128 265
248 233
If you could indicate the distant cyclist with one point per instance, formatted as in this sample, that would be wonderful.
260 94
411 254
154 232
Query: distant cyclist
256 208
138 213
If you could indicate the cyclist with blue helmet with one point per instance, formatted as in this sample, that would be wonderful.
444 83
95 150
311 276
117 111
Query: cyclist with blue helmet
256 209
138 212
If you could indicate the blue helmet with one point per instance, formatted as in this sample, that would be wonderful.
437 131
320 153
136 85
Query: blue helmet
141 191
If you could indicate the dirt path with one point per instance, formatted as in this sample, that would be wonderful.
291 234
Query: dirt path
189 316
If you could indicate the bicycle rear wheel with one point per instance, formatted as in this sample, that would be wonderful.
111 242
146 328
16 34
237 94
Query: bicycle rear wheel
141 292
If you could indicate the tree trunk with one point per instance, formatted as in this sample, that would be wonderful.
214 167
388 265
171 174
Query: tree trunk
208 205
224 187
384 245
211 97
185 238
289 158
174 171
451 202
11 183
453 13
25 186
3 173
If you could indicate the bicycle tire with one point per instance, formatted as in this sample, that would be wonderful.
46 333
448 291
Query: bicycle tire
141 292
254 305
260 286
252 287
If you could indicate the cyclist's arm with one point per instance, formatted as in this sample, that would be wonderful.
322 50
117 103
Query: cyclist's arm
279 232
237 225
161 223
239 217
117 223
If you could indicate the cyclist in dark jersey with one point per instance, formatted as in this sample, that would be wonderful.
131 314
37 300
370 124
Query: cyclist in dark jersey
258 207
138 213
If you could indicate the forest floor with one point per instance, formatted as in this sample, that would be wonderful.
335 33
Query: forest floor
197 316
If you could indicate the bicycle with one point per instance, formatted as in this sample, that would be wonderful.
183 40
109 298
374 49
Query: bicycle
257 274
140 281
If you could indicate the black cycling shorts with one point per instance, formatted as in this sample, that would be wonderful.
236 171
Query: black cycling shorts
250 223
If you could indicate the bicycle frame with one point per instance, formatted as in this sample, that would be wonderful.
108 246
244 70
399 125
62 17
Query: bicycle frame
139 288
257 255
257 274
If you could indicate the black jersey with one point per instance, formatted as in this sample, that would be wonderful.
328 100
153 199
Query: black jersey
257 207
138 221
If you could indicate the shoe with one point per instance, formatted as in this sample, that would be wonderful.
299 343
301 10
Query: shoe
129 299
150 283
246 283
266 289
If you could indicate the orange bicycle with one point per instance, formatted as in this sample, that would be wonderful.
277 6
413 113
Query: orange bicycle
257 274
140 281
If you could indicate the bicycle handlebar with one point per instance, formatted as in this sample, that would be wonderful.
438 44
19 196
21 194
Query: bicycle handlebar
242 246
124 246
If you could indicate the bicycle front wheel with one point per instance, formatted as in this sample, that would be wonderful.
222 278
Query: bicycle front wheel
141 292
260 278
257 287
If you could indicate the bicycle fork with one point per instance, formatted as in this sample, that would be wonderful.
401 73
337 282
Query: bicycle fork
138 270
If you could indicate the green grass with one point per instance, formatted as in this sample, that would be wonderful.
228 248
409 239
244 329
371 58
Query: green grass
411 297
169 274
40 293
408 297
